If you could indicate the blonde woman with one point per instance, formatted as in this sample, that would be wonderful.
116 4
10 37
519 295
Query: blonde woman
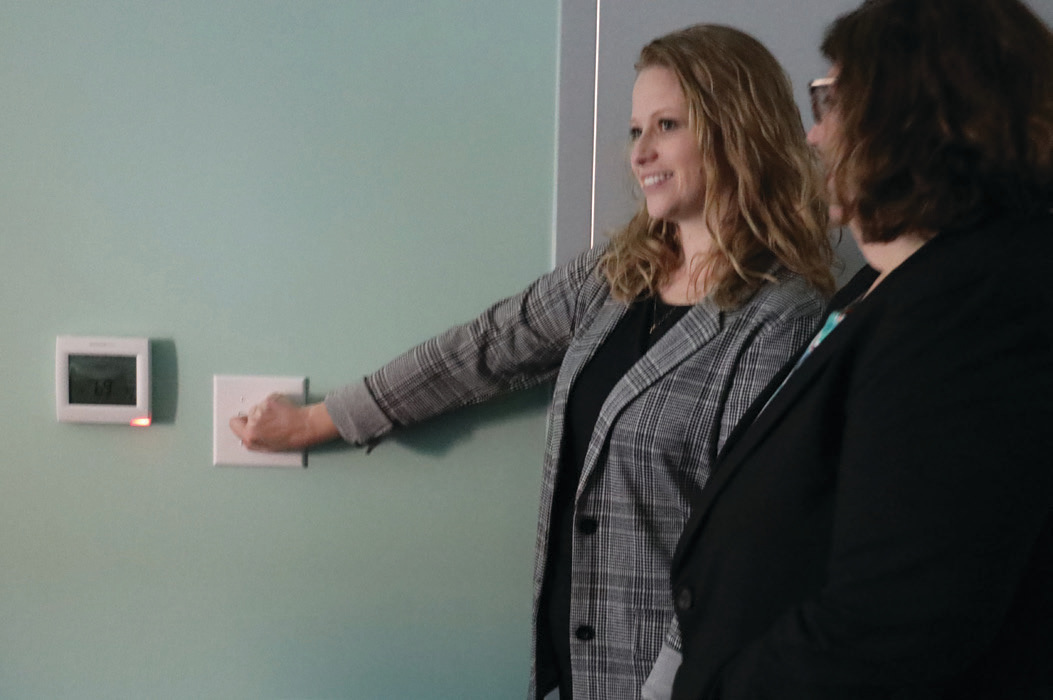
656 344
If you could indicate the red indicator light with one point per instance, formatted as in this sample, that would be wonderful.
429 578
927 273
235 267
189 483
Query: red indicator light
141 422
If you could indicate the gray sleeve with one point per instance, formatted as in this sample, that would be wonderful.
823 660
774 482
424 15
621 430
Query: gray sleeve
356 414
517 343
659 683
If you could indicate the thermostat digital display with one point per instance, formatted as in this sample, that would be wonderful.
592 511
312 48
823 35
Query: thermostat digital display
102 380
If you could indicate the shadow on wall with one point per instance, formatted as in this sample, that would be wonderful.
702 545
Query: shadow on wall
164 383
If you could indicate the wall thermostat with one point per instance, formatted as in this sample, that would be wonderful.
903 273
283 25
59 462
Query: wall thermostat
102 380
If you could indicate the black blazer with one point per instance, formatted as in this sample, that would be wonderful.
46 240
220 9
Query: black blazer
882 528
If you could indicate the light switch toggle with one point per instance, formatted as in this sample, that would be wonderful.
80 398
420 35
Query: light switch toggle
235 395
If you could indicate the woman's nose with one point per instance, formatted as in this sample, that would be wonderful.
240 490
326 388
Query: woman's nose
643 149
814 135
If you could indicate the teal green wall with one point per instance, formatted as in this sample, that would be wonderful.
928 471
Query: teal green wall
296 187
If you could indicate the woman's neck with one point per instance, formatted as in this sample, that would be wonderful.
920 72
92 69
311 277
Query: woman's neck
886 257
696 240
689 282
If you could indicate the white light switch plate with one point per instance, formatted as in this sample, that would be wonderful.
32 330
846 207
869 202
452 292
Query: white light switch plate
234 395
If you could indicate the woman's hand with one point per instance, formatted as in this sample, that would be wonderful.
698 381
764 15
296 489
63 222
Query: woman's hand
278 425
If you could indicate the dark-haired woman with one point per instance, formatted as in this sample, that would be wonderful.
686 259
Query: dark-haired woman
880 525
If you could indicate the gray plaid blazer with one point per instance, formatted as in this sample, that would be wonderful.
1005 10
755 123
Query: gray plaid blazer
656 437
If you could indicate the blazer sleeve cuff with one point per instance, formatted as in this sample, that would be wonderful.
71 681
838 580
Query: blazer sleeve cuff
357 416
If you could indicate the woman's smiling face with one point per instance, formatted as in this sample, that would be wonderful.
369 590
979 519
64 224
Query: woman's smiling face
666 159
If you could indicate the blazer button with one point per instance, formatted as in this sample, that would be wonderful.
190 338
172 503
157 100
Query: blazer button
684 599
585 633
587 526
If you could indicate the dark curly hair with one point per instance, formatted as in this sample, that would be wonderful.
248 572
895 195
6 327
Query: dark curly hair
946 113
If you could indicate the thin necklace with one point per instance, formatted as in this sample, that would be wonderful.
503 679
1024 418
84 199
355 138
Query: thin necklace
654 315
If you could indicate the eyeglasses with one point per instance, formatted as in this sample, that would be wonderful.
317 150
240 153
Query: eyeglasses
820 90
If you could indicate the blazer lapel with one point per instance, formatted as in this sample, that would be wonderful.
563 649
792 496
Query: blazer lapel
578 353
584 347
763 415
695 329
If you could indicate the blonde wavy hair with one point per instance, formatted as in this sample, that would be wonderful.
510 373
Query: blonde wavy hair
764 196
